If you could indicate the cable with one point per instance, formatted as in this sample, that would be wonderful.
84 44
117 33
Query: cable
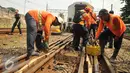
34 3
17 4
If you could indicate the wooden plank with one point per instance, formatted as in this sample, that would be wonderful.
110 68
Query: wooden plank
96 65
42 62
89 64
91 60
81 65
31 63
110 67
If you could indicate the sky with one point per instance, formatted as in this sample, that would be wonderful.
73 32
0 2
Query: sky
25 5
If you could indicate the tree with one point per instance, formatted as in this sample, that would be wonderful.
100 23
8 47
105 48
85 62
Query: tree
126 9
11 8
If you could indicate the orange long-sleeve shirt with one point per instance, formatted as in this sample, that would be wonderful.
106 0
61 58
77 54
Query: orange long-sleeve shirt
94 18
87 19
116 26
47 19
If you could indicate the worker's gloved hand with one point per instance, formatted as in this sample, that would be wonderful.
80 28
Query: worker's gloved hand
41 37
45 43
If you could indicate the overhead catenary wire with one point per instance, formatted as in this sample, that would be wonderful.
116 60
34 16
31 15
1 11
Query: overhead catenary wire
16 4
22 5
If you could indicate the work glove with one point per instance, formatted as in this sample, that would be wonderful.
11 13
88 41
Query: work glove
45 43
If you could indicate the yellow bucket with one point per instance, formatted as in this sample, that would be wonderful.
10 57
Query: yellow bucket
93 50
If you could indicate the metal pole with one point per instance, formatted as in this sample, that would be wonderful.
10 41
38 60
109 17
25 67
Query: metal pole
47 6
103 4
111 7
25 5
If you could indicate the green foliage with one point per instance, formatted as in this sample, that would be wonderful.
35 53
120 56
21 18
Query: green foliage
126 11
127 30
11 8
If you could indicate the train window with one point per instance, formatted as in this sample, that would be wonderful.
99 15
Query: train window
79 7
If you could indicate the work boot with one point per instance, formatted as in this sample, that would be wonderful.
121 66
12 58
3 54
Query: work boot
77 48
20 34
10 34
35 53
112 60
31 54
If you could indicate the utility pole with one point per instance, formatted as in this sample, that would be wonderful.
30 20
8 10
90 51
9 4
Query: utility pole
90 2
111 7
25 5
103 4
112 12
46 6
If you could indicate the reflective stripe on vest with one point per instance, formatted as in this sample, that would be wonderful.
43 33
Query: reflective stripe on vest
39 20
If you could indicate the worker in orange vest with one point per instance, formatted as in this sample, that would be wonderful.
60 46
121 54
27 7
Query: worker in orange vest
38 21
116 28
110 38
79 30
93 18
87 17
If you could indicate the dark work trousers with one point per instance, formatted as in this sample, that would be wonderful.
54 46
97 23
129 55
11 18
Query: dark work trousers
103 40
39 42
31 32
17 22
93 27
79 31
110 40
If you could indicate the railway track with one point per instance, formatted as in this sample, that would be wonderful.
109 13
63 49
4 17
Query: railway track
61 58
21 60
57 60
8 30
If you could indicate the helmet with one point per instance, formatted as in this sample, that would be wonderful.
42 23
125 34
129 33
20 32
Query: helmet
82 11
60 20
87 9
102 12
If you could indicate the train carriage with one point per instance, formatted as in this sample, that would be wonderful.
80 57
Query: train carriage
72 9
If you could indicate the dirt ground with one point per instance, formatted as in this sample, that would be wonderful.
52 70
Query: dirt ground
15 45
122 64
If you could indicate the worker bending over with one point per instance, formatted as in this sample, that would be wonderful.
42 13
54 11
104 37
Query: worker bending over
93 18
80 30
38 21
115 27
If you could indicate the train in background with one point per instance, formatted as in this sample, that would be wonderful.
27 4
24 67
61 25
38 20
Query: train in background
72 9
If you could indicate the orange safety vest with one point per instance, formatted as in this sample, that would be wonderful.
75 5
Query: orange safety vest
116 26
93 18
86 17
44 18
